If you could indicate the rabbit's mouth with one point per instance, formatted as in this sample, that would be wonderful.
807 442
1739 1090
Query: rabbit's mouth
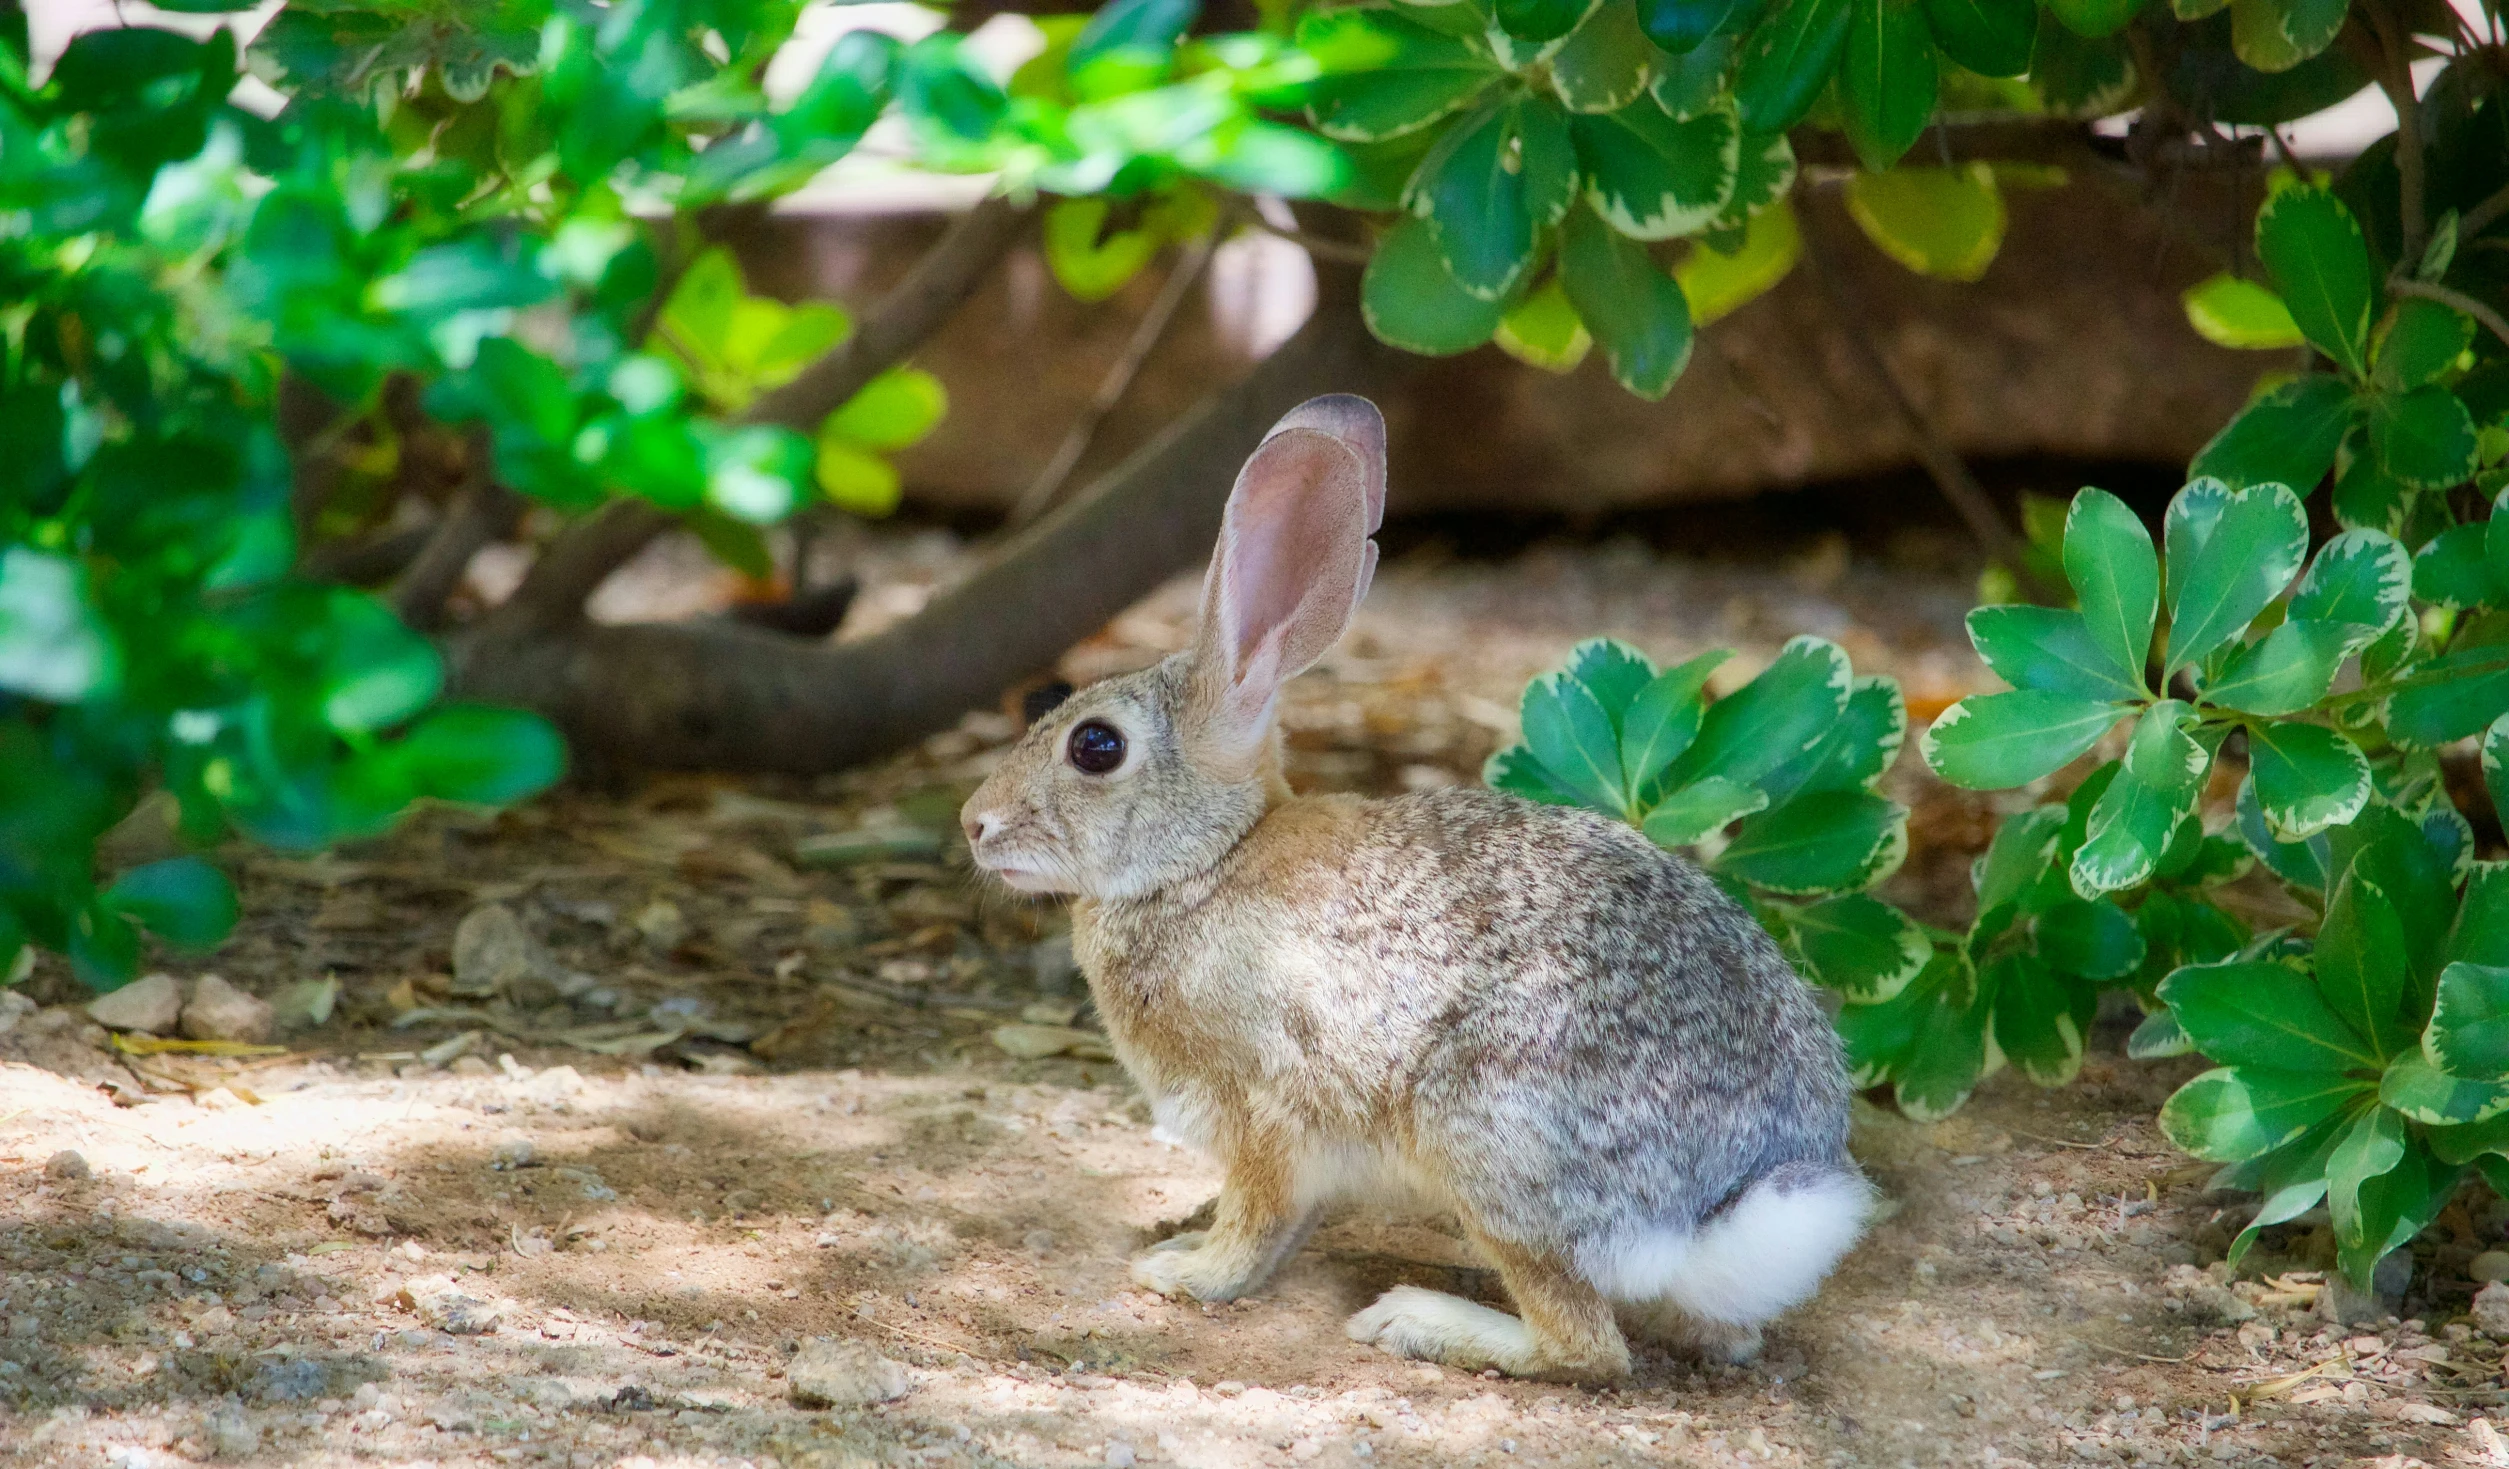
1024 879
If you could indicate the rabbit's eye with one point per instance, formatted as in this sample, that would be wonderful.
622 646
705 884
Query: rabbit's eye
1096 747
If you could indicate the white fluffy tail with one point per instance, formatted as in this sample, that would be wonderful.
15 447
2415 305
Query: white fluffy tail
1762 1255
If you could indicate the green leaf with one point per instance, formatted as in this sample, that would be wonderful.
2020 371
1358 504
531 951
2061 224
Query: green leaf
1133 25
2075 75
184 901
1764 175
376 672
1693 80
1941 222
1717 284
2249 1012
1990 37
1604 66
2116 576
2277 35
1686 27
481 755
1515 770
2372 1145
2286 437
2230 553
2094 18
1386 74
1787 61
2230 312
1992 742
854 480
1783 712
2292 1180
2038 1026
52 645
1821 842
1634 310
2450 697
2018 858
1411 301
2454 571
2094 940
893 411
1087 264
1690 813
1539 21
1662 720
2363 577
2234 1113
1858 749
1887 79
2131 824
2301 862
1493 181
2469 1030
2313 246
2158 1037
1653 178
2423 438
1861 947
2424 340
2053 649
2287 670
2426 1094
1615 671
1543 331
1947 1054
1571 733
2361 963
946 95
2495 757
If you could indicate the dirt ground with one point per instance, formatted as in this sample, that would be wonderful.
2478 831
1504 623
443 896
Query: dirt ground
750 1088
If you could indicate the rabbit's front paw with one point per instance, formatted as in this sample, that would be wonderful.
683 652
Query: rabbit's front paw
1186 1265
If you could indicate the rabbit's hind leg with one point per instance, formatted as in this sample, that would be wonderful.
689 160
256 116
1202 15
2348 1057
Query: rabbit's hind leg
1565 1332
1668 1325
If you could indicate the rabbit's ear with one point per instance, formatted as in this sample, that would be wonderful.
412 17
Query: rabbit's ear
1293 560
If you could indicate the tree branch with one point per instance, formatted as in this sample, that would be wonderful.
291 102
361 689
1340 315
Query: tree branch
1147 334
2395 78
483 513
715 694
1942 464
583 557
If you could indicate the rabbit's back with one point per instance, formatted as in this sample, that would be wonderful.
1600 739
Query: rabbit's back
1568 1026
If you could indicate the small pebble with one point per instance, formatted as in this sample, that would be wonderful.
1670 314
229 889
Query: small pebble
67 1167
2489 1266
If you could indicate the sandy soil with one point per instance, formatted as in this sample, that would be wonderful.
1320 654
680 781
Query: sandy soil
749 1101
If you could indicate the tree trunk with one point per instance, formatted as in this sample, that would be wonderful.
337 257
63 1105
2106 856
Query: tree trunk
718 695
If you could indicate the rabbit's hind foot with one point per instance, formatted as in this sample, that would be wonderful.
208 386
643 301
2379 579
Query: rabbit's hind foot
1565 1334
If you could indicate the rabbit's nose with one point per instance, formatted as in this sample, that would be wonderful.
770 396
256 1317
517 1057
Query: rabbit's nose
979 825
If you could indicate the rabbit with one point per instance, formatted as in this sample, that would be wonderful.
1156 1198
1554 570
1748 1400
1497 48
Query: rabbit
1526 1014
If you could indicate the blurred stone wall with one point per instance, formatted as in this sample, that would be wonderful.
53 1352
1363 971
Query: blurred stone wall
2073 346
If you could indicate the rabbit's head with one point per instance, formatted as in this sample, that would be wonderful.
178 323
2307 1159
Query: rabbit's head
1140 781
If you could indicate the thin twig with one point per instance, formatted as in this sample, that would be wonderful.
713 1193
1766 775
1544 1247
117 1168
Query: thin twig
2484 215
2430 291
1147 335
1942 463
1340 252
485 512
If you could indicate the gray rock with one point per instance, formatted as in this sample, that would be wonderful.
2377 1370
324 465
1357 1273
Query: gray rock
14 1007
220 1012
307 1003
66 1167
2491 1311
2489 1267
838 1374
494 954
2385 1298
491 952
444 1305
232 1435
152 1004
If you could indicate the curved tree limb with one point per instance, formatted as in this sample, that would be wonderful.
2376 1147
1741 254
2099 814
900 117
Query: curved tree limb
575 564
484 512
720 695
